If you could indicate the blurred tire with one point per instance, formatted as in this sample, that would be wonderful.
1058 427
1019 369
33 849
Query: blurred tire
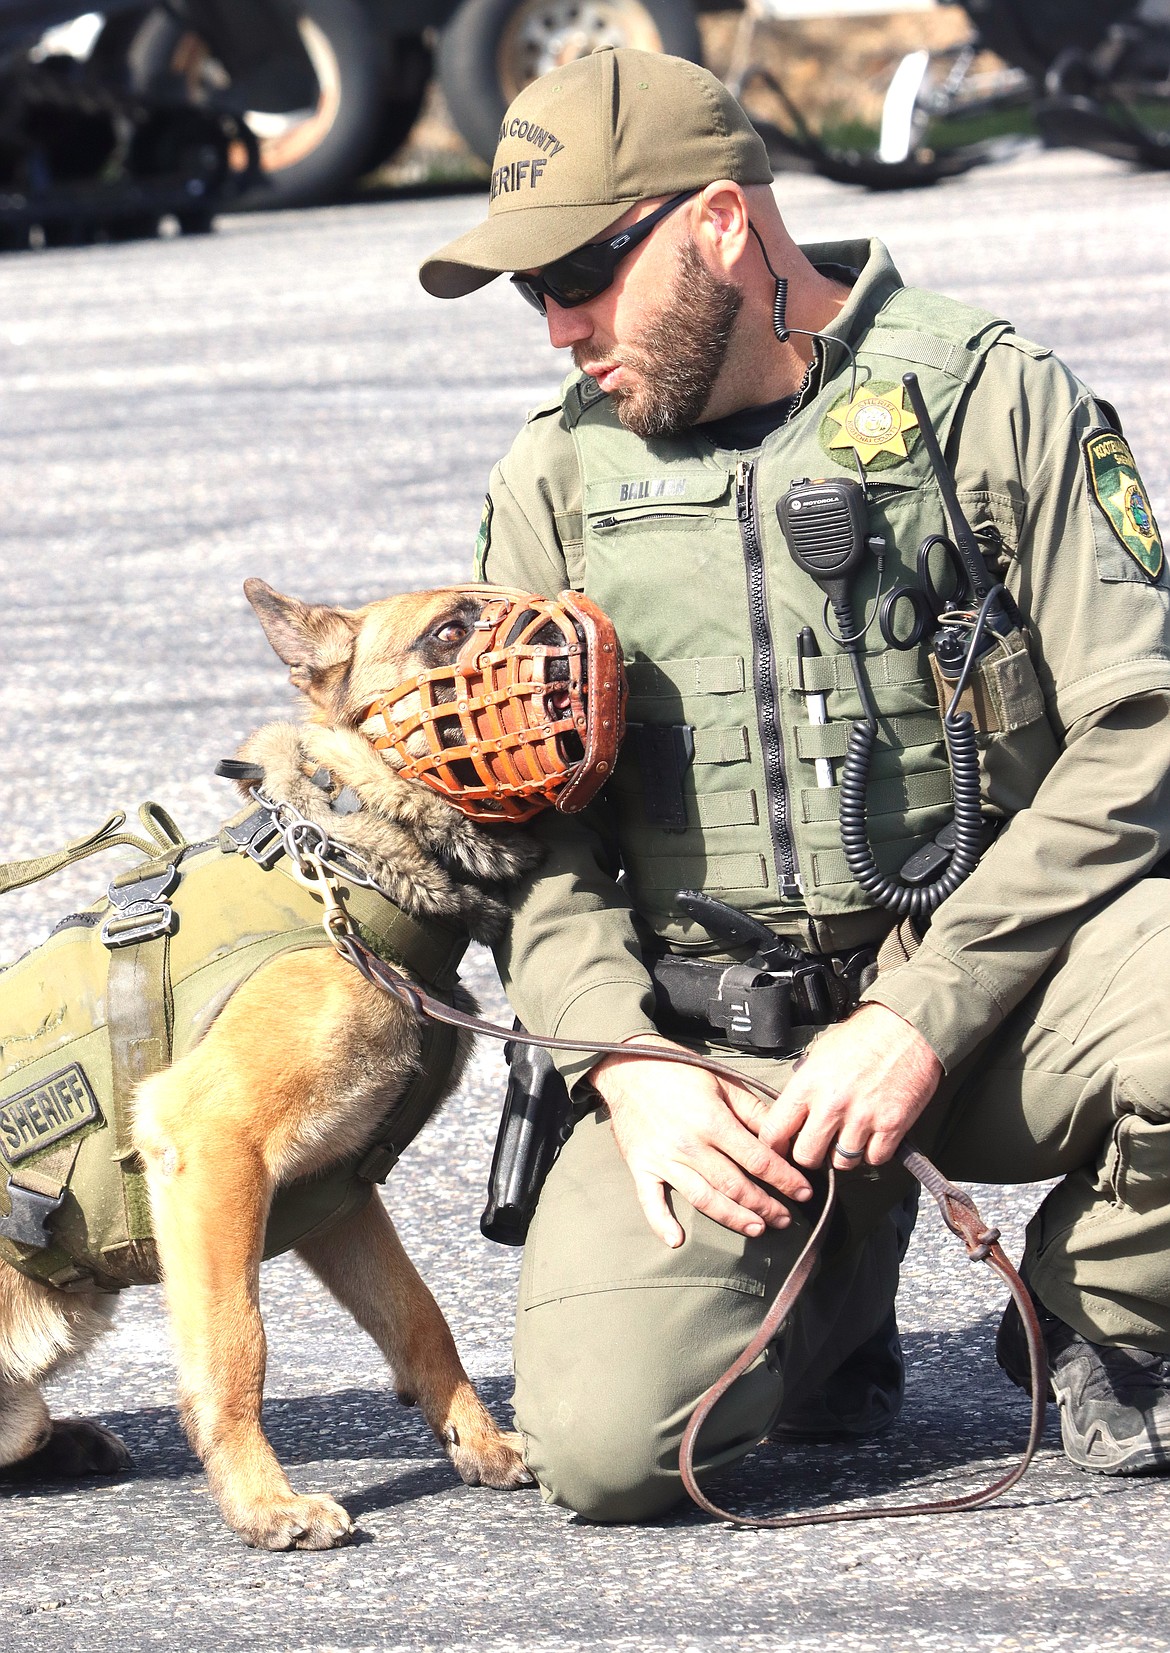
411 66
492 49
307 155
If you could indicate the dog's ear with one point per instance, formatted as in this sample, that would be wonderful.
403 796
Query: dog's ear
312 640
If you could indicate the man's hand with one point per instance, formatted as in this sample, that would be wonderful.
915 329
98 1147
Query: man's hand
859 1088
680 1127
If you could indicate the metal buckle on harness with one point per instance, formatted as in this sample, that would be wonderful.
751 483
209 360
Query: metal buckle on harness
141 909
28 1218
258 836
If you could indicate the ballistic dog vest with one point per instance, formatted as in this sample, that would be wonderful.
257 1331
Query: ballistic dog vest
121 990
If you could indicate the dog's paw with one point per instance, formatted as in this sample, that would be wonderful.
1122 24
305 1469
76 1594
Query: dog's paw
308 1523
488 1459
76 1447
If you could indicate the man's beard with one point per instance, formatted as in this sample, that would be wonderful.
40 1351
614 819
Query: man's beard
672 369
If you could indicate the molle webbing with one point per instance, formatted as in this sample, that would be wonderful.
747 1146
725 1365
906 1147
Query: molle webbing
745 791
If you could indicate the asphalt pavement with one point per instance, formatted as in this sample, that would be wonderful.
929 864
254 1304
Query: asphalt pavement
281 399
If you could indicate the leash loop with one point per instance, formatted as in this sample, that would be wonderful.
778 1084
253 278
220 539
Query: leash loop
959 1213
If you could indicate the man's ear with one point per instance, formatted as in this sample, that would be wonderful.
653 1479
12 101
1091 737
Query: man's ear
312 640
723 222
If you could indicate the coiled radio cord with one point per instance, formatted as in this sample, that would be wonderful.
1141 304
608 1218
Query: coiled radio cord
917 901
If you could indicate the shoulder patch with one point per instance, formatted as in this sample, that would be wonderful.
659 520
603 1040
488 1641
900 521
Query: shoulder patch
1120 493
483 539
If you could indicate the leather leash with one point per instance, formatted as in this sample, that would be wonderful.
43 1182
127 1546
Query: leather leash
958 1209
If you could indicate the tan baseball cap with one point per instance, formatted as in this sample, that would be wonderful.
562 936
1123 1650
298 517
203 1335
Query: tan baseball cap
582 144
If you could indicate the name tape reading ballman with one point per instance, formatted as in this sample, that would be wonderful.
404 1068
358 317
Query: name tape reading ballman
44 1113
654 487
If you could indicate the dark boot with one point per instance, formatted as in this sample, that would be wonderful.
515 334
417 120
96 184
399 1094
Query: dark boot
862 1397
1114 1402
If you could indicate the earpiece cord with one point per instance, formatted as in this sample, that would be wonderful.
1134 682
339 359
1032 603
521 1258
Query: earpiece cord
783 329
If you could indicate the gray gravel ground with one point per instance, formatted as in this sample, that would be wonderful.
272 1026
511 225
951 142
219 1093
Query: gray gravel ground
281 399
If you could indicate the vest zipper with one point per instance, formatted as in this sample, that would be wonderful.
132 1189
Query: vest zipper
604 524
764 677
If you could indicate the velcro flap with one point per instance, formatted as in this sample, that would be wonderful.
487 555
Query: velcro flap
659 489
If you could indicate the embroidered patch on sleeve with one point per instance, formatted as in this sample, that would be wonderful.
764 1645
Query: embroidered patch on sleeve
1121 494
483 539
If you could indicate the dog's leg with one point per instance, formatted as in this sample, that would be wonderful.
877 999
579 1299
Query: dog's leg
365 1267
194 1149
41 1331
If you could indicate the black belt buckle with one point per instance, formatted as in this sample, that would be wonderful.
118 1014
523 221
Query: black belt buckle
28 1216
258 836
814 987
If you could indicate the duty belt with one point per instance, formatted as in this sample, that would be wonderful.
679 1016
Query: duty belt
755 1003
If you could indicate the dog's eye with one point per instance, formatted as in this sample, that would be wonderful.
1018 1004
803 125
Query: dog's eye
453 632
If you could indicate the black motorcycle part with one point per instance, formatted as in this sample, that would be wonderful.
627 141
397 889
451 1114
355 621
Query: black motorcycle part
344 104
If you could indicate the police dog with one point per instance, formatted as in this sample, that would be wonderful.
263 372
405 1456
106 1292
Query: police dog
292 1076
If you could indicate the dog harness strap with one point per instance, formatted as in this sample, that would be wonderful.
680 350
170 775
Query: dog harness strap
14 875
430 951
139 1009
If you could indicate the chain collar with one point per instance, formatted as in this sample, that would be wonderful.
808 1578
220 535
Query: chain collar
318 862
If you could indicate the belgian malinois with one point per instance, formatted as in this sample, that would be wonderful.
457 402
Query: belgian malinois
293 1074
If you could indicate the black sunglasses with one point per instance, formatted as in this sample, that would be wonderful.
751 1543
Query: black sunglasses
590 269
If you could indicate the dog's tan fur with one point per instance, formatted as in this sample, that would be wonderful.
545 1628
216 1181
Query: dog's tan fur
293 1075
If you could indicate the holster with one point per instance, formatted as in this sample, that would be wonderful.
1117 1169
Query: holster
534 1126
754 1005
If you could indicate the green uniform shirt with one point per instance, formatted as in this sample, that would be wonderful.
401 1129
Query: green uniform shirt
1027 464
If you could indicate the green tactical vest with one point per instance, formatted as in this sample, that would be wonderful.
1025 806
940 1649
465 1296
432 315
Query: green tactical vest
119 991
683 549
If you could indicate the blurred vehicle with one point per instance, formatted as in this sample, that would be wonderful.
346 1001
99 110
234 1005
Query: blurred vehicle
81 147
491 49
273 103
1091 73
328 88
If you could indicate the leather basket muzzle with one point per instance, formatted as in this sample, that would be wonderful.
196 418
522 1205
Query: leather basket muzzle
531 713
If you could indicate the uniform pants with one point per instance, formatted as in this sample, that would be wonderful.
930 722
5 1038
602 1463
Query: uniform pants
617 1336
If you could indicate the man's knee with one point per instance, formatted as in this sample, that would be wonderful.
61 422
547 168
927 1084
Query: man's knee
608 1470
603 1417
